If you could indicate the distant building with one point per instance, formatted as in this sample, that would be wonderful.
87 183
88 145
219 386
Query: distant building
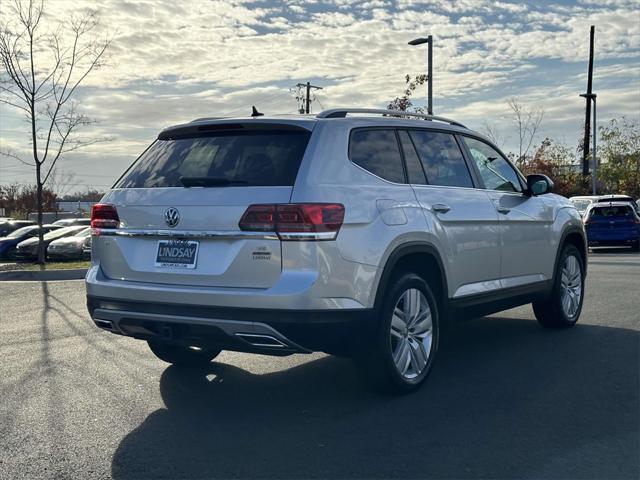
65 210
75 207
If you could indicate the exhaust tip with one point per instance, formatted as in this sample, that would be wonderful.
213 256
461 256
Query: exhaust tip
105 324
261 340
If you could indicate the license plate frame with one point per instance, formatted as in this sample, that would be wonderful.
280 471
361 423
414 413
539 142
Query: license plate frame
178 253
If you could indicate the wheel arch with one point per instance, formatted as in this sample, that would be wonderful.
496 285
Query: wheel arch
421 258
575 236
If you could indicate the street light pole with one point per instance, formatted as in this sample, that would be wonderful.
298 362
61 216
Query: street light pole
429 41
430 74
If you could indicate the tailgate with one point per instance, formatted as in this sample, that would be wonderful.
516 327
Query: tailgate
208 221
180 204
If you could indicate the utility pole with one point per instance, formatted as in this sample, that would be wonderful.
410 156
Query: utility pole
588 97
307 96
591 97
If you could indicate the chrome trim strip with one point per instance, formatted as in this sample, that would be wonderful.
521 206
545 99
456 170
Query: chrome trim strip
498 284
248 336
223 234
308 236
477 288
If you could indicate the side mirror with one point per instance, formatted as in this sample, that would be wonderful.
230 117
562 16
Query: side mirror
538 184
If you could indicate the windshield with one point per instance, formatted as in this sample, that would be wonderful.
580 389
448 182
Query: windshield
581 204
21 231
62 232
256 157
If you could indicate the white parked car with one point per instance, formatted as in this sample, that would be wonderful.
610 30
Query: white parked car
359 235
582 202
70 248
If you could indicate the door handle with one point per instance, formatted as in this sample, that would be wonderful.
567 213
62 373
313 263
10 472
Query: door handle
440 207
503 210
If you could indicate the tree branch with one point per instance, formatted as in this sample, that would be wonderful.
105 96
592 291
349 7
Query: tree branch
7 153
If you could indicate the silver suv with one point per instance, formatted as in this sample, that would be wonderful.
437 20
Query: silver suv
358 235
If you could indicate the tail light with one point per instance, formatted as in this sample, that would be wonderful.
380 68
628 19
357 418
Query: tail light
295 221
104 215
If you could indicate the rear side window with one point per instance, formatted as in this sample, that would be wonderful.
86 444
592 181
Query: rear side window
377 151
261 157
611 212
441 159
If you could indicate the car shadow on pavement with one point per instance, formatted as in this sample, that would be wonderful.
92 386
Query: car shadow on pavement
506 399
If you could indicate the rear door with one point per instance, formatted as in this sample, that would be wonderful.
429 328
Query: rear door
179 206
453 206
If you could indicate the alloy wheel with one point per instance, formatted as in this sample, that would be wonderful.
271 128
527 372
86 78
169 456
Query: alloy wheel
571 284
411 333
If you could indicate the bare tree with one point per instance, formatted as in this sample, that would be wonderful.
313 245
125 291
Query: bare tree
492 132
528 121
60 182
40 71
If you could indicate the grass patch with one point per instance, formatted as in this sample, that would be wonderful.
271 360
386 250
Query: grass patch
59 265
46 266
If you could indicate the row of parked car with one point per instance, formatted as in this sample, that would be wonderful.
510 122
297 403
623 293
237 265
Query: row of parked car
610 220
67 239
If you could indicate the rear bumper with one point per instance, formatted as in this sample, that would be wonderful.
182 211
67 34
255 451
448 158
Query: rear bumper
294 290
613 242
266 331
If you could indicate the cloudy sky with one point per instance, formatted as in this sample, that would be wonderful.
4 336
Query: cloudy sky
171 61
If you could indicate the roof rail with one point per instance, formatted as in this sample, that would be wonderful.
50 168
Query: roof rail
342 112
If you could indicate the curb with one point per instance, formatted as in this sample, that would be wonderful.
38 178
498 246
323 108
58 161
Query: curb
44 275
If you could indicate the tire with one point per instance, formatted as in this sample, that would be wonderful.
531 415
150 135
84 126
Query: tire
398 356
636 247
561 309
182 356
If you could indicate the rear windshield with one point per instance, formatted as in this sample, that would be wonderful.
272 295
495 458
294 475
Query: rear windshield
611 212
259 157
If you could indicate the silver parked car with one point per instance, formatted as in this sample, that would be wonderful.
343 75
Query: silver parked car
359 235
70 248
71 222
28 249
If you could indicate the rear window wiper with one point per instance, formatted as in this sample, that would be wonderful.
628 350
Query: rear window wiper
209 182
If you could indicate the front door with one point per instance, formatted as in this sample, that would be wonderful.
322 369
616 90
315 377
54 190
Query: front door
525 220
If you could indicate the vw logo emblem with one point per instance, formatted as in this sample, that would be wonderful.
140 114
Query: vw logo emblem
172 217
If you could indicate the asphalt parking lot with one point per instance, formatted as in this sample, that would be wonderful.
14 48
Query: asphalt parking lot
506 399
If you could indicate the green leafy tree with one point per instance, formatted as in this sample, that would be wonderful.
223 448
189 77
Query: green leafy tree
619 155
558 162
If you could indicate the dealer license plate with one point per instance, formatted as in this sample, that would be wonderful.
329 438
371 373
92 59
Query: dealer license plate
177 254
